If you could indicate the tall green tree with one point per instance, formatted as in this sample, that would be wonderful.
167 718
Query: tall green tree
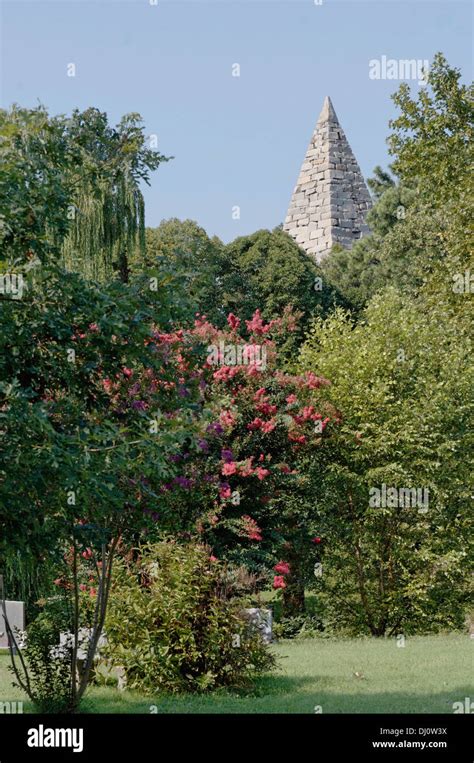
108 214
402 381
390 254
70 189
34 196
90 414
432 142
420 224
268 271
183 248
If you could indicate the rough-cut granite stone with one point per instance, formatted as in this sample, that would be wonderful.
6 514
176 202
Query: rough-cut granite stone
330 201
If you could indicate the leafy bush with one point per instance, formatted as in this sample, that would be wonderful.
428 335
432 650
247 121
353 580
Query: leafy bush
49 666
298 626
172 626
401 565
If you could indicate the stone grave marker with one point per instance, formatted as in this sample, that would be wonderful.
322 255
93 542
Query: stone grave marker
16 619
262 621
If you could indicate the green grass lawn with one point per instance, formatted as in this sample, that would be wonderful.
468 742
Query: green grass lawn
425 676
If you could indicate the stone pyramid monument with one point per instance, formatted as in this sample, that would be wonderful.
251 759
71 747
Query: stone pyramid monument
330 202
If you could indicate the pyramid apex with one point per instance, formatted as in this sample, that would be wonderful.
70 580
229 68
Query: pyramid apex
327 111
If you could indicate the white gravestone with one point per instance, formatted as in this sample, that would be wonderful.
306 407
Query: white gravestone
66 643
262 621
16 620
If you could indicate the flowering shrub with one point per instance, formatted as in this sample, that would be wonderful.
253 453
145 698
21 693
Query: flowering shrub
248 459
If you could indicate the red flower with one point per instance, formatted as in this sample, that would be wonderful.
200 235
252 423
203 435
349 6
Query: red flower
251 528
261 472
246 470
278 582
233 321
226 419
282 567
313 382
307 412
225 373
256 325
127 372
254 369
266 409
255 424
291 399
301 439
316 540
87 554
228 469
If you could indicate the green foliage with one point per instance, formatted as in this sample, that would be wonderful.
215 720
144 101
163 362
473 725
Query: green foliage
184 249
172 627
27 580
402 382
49 667
33 193
265 271
381 181
432 139
400 250
268 271
81 464
109 212
71 187
60 431
298 627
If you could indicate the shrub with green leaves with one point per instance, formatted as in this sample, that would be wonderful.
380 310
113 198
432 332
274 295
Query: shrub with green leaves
173 625
402 379
298 627
49 666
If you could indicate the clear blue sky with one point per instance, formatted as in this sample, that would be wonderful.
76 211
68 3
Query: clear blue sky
236 141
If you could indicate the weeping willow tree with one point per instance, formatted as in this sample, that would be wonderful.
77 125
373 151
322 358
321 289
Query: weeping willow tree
27 580
107 225
107 213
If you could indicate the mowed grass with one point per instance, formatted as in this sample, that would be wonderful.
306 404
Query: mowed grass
427 675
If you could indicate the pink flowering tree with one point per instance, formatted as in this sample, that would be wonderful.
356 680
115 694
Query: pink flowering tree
245 476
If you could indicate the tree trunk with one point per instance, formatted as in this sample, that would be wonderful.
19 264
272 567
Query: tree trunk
293 596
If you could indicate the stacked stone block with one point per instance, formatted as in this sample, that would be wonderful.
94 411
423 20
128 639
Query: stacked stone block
330 201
